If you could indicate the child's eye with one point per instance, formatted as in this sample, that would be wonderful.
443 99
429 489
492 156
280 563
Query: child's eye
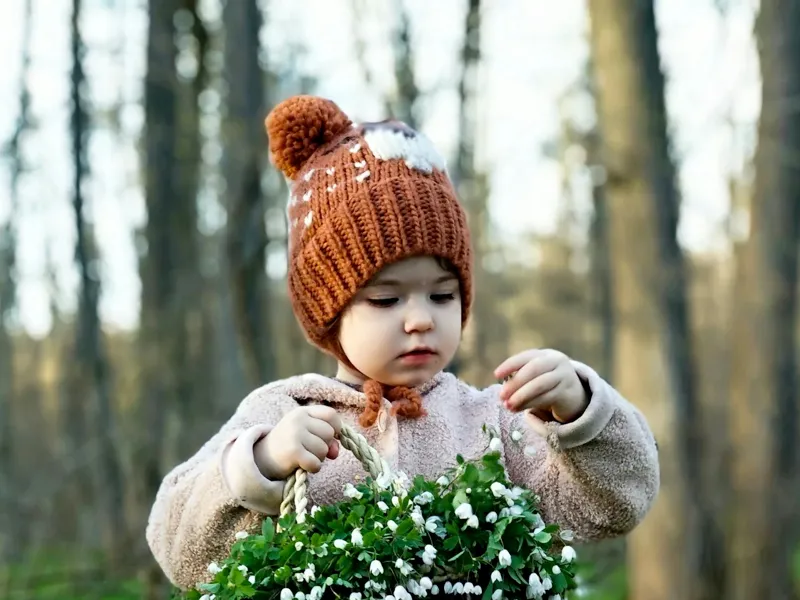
442 298
382 302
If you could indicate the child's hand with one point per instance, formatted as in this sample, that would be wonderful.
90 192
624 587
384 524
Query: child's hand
543 381
303 438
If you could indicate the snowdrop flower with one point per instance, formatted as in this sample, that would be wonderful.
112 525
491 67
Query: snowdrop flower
300 596
416 516
448 587
356 595
495 445
375 567
356 539
429 555
423 498
491 517
298 546
383 506
404 567
443 481
556 570
214 568
473 522
431 524
391 525
516 435
477 590
497 595
351 492
286 594
504 558
435 590
252 579
458 588
547 583
426 583
464 510
496 576
498 489
565 535
516 510
340 544
401 594
384 480
395 501
240 535
535 587
316 593
242 568
315 510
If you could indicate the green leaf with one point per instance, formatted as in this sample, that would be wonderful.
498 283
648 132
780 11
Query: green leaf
268 530
542 537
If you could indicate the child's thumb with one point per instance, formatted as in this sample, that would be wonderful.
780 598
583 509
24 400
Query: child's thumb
333 449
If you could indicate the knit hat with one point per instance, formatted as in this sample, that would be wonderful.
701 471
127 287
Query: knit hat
361 196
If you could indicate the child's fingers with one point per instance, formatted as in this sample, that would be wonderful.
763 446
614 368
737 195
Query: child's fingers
513 363
540 364
309 462
327 414
315 445
333 449
321 429
535 393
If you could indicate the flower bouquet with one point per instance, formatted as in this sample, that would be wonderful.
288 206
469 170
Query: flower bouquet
469 533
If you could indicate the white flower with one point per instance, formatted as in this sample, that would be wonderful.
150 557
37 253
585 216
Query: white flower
431 524
383 506
391 525
458 588
286 594
530 450
547 583
435 590
316 593
464 510
298 546
214 568
404 567
416 516
240 535
356 539
448 587
340 544
315 510
473 522
395 501
468 586
516 510
497 595
356 595
423 498
469 490
498 489
378 525
351 492
242 568
443 481
565 535
477 590
384 480
504 558
556 570
300 596
491 517
496 576
375 567
535 587
516 435
252 579
568 554
426 583
401 594
495 445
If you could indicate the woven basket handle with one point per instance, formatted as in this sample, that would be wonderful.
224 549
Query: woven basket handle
295 489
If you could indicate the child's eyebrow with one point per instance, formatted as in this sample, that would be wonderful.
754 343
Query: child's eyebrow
398 283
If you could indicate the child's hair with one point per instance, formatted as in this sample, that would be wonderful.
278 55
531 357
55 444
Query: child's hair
360 197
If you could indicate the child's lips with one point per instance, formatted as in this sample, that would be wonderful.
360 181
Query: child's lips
418 356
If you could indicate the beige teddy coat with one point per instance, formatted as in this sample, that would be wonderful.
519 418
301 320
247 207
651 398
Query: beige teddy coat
597 476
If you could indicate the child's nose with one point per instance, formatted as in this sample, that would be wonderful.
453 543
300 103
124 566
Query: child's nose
418 318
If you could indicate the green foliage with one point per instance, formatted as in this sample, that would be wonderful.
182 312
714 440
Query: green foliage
470 532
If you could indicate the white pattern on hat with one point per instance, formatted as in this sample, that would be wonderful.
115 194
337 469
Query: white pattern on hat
416 150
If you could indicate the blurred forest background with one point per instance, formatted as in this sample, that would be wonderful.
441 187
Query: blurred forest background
142 261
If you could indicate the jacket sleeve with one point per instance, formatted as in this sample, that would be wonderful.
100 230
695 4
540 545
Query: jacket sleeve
598 475
203 502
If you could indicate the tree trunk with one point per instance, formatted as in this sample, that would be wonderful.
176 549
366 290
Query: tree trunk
90 356
765 417
244 143
160 308
654 352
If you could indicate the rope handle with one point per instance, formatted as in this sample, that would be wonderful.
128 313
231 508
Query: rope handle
296 486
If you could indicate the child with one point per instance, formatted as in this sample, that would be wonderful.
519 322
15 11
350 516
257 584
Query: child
380 277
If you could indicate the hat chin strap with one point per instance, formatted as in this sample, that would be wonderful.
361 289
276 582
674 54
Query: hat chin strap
406 401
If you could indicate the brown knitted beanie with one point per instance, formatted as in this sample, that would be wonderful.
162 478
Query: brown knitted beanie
360 197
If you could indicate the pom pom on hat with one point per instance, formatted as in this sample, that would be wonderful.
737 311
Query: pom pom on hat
298 127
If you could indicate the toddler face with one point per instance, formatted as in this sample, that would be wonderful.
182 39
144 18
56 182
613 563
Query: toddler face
404 326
